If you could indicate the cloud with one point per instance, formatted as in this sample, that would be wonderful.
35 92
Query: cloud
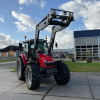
6 40
89 11
49 28
2 18
20 8
25 23
33 2
64 39
28 2
22 27
23 1
41 3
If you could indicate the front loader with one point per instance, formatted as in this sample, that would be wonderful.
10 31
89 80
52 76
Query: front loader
36 60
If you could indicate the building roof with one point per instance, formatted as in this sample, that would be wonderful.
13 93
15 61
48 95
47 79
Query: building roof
87 33
8 48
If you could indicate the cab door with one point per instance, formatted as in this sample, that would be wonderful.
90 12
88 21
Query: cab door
26 50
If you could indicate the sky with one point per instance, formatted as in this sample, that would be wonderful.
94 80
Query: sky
19 18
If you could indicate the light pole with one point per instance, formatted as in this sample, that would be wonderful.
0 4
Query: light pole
11 52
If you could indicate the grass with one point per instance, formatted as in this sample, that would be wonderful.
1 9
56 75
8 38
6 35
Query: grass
14 69
79 67
83 67
7 60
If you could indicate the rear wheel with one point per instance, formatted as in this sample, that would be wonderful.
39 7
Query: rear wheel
33 77
20 69
63 75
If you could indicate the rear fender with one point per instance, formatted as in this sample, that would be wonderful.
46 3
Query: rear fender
24 59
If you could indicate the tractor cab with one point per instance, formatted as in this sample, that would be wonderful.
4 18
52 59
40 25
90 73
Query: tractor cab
29 46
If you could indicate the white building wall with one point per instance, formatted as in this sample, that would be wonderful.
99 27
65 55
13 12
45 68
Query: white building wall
14 54
0 54
80 41
6 54
92 41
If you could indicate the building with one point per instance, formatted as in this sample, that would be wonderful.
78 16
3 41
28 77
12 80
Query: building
64 51
87 44
8 51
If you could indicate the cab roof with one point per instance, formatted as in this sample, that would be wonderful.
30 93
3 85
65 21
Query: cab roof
32 40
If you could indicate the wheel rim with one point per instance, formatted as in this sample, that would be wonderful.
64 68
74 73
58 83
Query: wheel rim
19 69
29 77
59 76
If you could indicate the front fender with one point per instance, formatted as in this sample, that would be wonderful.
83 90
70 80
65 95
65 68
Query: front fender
24 59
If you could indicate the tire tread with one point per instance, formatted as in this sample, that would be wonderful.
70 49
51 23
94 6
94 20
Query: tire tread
65 74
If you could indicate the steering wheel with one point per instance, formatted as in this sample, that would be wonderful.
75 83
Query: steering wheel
41 48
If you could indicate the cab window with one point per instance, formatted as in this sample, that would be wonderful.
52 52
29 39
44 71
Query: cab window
26 47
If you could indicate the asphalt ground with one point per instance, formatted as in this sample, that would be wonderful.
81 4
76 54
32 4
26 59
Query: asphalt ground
82 86
7 65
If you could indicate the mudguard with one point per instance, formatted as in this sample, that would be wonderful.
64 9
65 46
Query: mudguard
24 59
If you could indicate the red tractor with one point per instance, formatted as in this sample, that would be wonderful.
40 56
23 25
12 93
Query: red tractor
36 60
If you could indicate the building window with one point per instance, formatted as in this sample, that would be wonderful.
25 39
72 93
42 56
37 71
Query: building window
78 49
78 54
95 50
95 46
83 46
77 46
89 46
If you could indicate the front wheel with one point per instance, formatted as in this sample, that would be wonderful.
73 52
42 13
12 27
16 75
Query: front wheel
63 75
20 69
33 77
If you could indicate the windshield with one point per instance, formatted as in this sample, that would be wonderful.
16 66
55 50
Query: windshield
42 47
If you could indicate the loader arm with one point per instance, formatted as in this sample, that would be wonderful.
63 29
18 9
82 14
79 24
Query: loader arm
58 21
54 30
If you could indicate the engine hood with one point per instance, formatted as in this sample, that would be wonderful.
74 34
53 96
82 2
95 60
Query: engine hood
45 57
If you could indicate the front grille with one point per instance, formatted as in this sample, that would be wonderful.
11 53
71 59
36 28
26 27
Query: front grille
50 64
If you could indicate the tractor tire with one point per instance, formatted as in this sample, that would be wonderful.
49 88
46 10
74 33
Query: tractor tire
20 69
33 77
63 75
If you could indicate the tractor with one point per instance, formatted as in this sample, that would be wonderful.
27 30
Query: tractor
36 60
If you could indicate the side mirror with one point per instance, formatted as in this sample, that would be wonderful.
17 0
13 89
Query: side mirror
56 45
